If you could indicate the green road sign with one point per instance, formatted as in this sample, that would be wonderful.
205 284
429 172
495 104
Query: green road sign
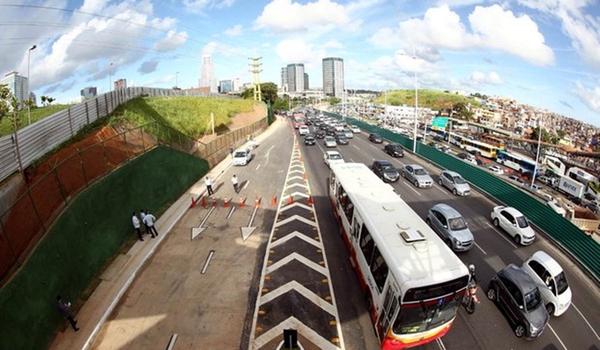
439 123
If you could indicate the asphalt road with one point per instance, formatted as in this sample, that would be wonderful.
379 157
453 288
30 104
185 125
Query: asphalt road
578 328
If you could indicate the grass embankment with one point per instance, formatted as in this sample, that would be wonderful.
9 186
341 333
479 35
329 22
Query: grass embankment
84 238
37 113
434 99
188 115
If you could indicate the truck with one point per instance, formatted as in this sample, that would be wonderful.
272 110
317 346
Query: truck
571 187
584 218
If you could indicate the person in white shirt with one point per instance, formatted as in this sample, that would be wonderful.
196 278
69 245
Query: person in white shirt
208 182
142 216
136 226
235 182
149 220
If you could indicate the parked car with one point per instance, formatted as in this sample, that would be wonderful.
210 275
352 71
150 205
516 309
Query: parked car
416 175
496 170
551 280
242 157
303 130
394 150
332 157
517 295
514 223
455 183
354 129
516 179
375 138
385 170
451 226
309 140
329 141
320 134
341 139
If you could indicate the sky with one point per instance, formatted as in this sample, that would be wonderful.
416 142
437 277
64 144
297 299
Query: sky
545 53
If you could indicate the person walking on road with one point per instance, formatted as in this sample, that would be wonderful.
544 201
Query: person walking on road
149 220
235 182
136 226
209 183
142 216
231 152
64 307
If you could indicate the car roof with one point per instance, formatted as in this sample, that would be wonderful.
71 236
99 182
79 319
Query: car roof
547 261
447 211
394 145
415 166
332 152
512 211
383 161
519 277
451 173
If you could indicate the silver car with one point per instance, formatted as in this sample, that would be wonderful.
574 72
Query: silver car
455 183
416 175
451 226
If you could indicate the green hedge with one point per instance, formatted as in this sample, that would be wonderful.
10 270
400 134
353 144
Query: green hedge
581 246
84 238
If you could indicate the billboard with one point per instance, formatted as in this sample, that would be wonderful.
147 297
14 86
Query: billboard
439 123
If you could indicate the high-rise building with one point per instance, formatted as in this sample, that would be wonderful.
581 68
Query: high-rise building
88 93
225 86
295 74
333 76
17 84
121 84
284 79
207 78
237 84
306 81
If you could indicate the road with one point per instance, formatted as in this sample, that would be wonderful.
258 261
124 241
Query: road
578 328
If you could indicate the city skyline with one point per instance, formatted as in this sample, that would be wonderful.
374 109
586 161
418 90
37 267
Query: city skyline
546 54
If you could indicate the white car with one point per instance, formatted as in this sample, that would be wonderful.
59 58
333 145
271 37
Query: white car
554 205
514 223
329 141
332 157
355 129
348 133
242 157
303 130
551 281
496 170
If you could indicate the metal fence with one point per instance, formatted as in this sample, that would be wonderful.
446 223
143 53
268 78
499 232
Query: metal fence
37 139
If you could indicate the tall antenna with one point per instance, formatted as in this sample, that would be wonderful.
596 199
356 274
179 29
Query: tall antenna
255 65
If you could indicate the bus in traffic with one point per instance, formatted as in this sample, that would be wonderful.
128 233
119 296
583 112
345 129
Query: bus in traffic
517 161
413 281
481 148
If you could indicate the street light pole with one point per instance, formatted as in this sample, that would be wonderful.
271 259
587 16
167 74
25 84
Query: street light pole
416 109
110 77
28 83
537 155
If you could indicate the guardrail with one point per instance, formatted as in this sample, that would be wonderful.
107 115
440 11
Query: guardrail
581 247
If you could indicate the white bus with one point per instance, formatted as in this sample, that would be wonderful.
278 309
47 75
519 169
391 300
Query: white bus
518 162
555 165
413 281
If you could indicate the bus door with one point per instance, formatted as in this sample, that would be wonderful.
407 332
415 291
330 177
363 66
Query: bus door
355 231
389 310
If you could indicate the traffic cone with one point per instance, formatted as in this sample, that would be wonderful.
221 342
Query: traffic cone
310 200
242 202
226 203
257 202
290 199
193 202
203 202
274 201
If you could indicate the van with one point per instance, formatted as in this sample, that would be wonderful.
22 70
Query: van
242 157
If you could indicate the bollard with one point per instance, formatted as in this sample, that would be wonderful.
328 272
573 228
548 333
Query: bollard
290 199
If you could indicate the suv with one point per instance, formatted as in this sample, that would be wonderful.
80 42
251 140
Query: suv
320 134
514 223
309 140
341 139
455 183
515 293
416 175
375 138
394 150
385 170
451 226
303 130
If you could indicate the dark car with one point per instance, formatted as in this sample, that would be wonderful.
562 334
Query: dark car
330 132
375 138
320 134
385 170
394 150
438 138
517 295
341 139
309 140
323 126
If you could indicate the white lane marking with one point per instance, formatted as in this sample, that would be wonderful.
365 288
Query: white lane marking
557 337
208 259
483 251
246 185
501 234
441 189
258 166
440 344
231 212
355 146
411 187
586 321
172 341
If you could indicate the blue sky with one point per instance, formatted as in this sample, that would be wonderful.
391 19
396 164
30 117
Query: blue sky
542 52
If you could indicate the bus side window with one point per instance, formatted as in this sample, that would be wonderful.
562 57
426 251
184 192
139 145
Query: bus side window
366 244
346 203
379 269
356 229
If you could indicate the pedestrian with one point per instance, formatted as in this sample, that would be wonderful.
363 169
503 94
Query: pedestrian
149 220
142 216
231 152
209 183
64 307
235 182
136 226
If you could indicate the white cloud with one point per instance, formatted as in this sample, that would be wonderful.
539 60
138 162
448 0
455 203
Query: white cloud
199 6
333 44
218 48
589 96
234 31
171 41
482 78
490 27
287 15
297 50
459 3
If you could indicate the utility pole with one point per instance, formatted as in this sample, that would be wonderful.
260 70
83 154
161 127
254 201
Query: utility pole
255 68
416 109
110 77
28 84
537 156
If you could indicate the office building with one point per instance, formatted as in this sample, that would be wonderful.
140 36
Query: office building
225 86
33 98
207 77
333 76
284 79
121 84
295 77
88 93
237 85
17 84
305 81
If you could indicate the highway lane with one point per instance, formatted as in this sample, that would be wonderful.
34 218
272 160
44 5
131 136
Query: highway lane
488 328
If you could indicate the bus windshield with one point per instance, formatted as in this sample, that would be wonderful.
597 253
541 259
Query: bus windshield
420 317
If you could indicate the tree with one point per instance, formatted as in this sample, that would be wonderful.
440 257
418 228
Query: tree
50 100
281 104
462 111
43 99
334 101
5 101
268 92
546 136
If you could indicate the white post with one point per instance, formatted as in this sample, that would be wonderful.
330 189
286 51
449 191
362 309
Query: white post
212 122
110 77
537 156
416 113
29 82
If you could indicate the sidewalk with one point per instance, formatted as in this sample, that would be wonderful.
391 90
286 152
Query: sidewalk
117 278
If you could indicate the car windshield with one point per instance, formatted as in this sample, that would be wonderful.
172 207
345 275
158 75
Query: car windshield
457 224
329 139
459 180
521 221
532 299
420 317
335 156
561 282
420 171
240 154
386 166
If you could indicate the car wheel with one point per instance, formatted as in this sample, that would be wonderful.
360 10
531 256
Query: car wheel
440 182
496 223
416 183
519 330
454 192
428 222
517 239
550 309
491 294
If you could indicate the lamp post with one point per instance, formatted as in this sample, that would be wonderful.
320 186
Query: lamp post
537 155
110 77
29 82
416 107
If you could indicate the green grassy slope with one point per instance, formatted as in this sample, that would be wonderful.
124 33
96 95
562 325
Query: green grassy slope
6 126
434 99
81 241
